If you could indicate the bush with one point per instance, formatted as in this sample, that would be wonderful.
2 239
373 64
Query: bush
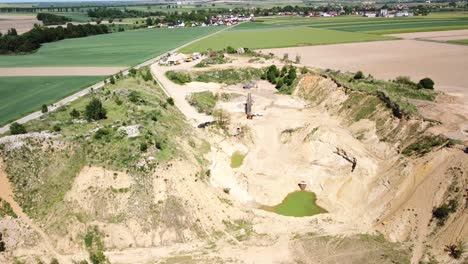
426 83
95 111
101 133
179 77
112 80
143 147
404 80
57 128
74 113
304 70
442 212
230 50
359 75
44 108
170 101
133 96
16 129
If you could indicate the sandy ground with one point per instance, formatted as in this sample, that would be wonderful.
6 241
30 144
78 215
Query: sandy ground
444 63
21 23
60 71
434 35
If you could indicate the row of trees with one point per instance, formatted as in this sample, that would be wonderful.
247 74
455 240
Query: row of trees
32 40
52 19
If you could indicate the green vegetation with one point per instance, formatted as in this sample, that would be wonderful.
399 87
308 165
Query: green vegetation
95 246
52 19
277 38
394 94
283 79
16 129
237 159
179 77
459 41
22 95
426 83
42 174
204 102
215 60
94 110
424 145
116 49
5 209
228 76
298 204
442 212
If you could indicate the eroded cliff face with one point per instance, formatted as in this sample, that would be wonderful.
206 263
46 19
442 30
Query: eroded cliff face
394 187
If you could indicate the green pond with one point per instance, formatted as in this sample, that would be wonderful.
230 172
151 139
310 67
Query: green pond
299 203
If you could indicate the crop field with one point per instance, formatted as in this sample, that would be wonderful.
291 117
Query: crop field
443 21
459 41
22 95
279 37
276 32
117 49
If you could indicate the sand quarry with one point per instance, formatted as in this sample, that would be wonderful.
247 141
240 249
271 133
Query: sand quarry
291 140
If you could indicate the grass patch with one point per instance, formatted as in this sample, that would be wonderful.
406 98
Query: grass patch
23 95
204 102
237 159
298 204
5 209
459 41
424 145
116 49
219 59
277 38
228 76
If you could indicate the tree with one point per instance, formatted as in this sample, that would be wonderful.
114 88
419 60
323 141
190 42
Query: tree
44 108
16 129
149 21
359 75
170 101
286 56
112 80
426 83
111 20
74 113
12 32
230 50
95 111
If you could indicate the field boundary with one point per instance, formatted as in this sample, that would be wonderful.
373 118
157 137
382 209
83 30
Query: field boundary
101 84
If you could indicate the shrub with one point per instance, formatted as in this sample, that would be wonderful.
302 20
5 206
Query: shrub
304 70
455 251
101 133
442 212
133 96
179 77
57 128
359 75
426 83
95 111
298 58
404 80
230 50
170 101
44 108
16 129
143 147
74 113
112 80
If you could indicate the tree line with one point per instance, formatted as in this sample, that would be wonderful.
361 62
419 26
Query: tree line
52 19
12 43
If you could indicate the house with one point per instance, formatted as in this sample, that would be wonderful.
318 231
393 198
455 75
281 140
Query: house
383 12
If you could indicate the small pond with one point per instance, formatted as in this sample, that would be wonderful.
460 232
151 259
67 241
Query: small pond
298 203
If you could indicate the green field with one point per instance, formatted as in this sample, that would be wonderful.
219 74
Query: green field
299 203
278 32
22 95
117 49
277 38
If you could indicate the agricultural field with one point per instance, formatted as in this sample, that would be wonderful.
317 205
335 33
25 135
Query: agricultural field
460 41
117 49
299 31
268 38
22 95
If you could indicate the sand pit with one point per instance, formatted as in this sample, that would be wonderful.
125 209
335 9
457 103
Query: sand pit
444 63
22 23
60 71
